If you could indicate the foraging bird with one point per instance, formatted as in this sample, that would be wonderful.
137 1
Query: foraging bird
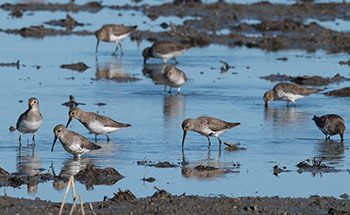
30 121
331 124
95 123
164 50
288 92
72 142
174 77
113 33
72 103
207 126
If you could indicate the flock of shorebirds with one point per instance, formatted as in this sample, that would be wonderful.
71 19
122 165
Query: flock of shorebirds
30 121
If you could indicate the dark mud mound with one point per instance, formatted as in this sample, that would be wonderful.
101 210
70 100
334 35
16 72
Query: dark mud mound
343 92
69 23
160 164
306 80
80 66
94 176
160 194
315 166
277 170
121 196
89 7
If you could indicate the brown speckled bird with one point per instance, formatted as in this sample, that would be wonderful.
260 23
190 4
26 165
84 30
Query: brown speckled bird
288 92
331 124
207 126
164 50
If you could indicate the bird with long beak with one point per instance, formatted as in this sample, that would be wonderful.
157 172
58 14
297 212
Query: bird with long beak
206 126
289 92
164 50
72 142
95 123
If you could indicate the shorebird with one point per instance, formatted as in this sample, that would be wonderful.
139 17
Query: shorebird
30 121
72 142
331 124
174 77
113 33
164 50
207 126
288 92
95 123
72 103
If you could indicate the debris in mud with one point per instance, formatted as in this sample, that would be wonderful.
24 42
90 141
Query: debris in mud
80 66
17 13
343 92
225 66
126 195
344 196
234 146
95 176
315 165
4 173
333 211
345 62
160 194
277 170
149 179
68 23
16 64
205 168
160 164
306 80
282 58
100 104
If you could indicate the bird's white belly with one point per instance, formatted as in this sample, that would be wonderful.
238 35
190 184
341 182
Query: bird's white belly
116 38
289 96
99 128
29 126
76 149
168 56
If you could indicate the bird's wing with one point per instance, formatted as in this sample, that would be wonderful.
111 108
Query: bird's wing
108 122
215 124
167 46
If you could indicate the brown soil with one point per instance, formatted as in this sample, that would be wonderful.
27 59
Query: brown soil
80 66
343 92
164 203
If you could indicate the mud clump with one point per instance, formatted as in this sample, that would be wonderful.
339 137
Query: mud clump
343 92
94 176
68 23
80 66
205 168
277 170
160 194
149 179
4 173
233 147
160 164
345 62
121 196
315 166
306 80
14 64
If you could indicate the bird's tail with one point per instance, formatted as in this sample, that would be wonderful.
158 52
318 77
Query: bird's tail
234 124
12 129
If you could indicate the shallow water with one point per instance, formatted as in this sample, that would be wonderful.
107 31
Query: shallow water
278 135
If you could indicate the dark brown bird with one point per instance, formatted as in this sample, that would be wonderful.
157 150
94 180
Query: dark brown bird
113 33
288 92
164 50
331 124
207 126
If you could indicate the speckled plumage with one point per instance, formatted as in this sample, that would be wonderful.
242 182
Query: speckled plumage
331 124
174 77
165 50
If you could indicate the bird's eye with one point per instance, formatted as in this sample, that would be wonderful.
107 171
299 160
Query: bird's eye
58 131
72 113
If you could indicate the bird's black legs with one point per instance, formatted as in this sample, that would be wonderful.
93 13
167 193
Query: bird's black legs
219 142
209 143
108 138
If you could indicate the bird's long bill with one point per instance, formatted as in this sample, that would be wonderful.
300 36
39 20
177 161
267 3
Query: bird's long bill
69 120
266 104
183 138
98 41
53 144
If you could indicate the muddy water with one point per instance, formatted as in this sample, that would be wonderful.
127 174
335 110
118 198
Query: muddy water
277 135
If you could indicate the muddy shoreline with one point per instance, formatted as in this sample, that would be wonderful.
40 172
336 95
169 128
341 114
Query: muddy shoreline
163 203
279 27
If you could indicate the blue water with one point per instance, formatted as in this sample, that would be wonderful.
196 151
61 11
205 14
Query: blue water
277 135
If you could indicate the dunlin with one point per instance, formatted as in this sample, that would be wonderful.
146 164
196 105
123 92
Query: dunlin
113 33
331 124
72 142
72 103
30 121
95 123
206 126
164 50
288 92
174 77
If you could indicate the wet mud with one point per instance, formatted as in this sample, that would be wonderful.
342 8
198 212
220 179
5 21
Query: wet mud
315 166
281 26
343 92
162 202
80 66
307 80
69 23
160 164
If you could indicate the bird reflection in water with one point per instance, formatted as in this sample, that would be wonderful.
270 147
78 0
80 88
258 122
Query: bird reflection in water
155 72
113 70
28 165
283 116
174 106
331 151
208 168
70 167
